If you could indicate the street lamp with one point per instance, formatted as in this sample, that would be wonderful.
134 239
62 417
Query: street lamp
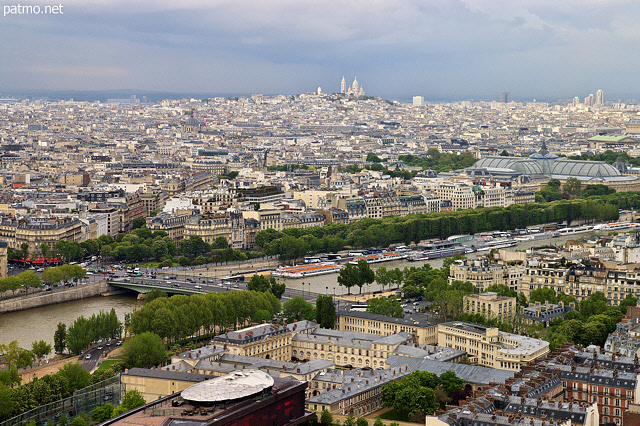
326 290
302 288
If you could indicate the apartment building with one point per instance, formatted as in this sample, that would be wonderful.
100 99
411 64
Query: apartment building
268 219
490 347
209 227
424 331
268 341
582 281
173 225
461 195
113 218
491 305
489 196
348 348
482 273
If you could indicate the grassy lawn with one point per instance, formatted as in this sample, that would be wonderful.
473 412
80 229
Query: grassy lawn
107 363
395 415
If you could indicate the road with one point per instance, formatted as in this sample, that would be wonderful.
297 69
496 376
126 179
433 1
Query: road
95 353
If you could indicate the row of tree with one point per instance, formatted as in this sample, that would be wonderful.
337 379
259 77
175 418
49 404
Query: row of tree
293 243
24 280
86 331
178 317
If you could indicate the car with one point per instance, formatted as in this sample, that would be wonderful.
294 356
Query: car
220 285
99 348
33 268
89 273
88 356
109 343
40 270
176 284
197 287
235 286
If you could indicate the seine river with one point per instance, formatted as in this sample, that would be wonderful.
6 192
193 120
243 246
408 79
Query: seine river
40 323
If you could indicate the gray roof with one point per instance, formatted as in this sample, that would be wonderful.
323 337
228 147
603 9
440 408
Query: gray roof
164 374
469 373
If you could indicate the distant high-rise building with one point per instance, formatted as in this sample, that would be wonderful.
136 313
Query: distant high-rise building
504 97
343 85
588 101
599 97
319 90
418 101
576 101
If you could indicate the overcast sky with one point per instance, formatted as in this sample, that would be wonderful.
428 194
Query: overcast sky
471 48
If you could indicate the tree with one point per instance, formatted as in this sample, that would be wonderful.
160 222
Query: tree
154 294
594 305
297 309
504 153
383 277
362 422
52 276
221 243
451 382
184 261
373 158
102 413
350 420
349 276
629 300
144 351
132 399
76 376
262 284
40 348
502 290
543 295
366 274
326 418
60 338
573 187
325 311
388 306
139 222
29 279
24 247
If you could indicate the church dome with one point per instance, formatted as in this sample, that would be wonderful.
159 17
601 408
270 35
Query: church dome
192 122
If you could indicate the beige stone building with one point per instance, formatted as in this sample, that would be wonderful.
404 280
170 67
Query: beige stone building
491 305
156 383
461 195
482 273
35 231
424 332
269 219
209 228
356 349
490 347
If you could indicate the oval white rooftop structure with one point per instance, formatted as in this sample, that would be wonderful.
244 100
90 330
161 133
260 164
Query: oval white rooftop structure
236 385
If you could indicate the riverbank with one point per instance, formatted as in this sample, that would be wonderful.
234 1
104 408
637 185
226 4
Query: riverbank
36 300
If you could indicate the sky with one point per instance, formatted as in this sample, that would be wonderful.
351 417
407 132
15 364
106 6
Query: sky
434 48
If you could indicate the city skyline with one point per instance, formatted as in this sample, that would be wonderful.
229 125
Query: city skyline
470 49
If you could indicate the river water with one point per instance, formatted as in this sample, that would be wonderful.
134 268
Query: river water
40 323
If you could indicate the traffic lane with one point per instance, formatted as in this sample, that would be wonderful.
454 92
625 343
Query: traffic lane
96 353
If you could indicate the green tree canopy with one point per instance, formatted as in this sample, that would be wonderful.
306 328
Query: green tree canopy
144 351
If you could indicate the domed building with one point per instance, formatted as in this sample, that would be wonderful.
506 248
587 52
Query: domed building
544 165
192 125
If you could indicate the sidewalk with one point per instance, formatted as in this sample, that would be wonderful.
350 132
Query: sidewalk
361 298
44 369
